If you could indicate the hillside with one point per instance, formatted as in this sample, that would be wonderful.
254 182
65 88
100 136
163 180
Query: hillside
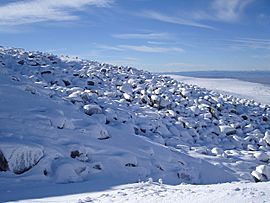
66 120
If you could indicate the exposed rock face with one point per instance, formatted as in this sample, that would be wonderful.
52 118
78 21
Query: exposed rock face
3 162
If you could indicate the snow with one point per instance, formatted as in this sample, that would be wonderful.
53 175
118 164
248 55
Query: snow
74 126
243 89
156 192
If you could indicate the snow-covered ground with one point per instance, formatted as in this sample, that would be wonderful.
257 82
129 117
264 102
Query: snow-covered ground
239 88
72 126
155 192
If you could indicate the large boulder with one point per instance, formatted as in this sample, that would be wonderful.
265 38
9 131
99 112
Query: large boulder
227 130
262 173
91 109
24 158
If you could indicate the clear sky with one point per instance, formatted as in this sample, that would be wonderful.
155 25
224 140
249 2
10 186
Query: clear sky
155 35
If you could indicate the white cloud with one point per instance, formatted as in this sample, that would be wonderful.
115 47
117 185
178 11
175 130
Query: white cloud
253 43
180 64
172 19
142 36
107 47
140 48
32 11
151 49
219 10
229 10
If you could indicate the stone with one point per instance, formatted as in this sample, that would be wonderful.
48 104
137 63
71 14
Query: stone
91 109
3 162
90 83
23 158
228 130
261 156
267 137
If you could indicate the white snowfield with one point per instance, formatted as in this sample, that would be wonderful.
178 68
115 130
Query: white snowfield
238 88
154 192
71 126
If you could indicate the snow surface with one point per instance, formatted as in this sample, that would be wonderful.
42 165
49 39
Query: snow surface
155 192
243 89
70 126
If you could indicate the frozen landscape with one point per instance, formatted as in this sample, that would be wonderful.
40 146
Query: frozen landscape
240 85
75 130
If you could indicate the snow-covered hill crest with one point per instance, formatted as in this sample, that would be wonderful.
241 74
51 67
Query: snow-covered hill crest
68 120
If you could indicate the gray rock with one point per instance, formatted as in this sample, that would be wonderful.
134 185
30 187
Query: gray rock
91 109
3 162
90 82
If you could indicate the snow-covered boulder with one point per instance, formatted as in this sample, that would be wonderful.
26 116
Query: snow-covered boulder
91 109
127 97
262 173
24 158
228 130
267 137
75 96
217 151
69 172
261 156
99 132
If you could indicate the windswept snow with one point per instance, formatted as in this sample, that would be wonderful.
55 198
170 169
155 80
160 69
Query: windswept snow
67 121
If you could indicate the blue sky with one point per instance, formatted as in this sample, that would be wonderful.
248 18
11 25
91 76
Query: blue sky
155 35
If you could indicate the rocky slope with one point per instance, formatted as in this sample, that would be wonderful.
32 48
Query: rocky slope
66 120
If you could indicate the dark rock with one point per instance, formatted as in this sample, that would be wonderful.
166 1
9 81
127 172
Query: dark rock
183 176
75 154
46 72
66 82
103 70
90 82
45 172
97 166
21 62
104 138
265 119
3 162
131 165
51 58
160 168
143 130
